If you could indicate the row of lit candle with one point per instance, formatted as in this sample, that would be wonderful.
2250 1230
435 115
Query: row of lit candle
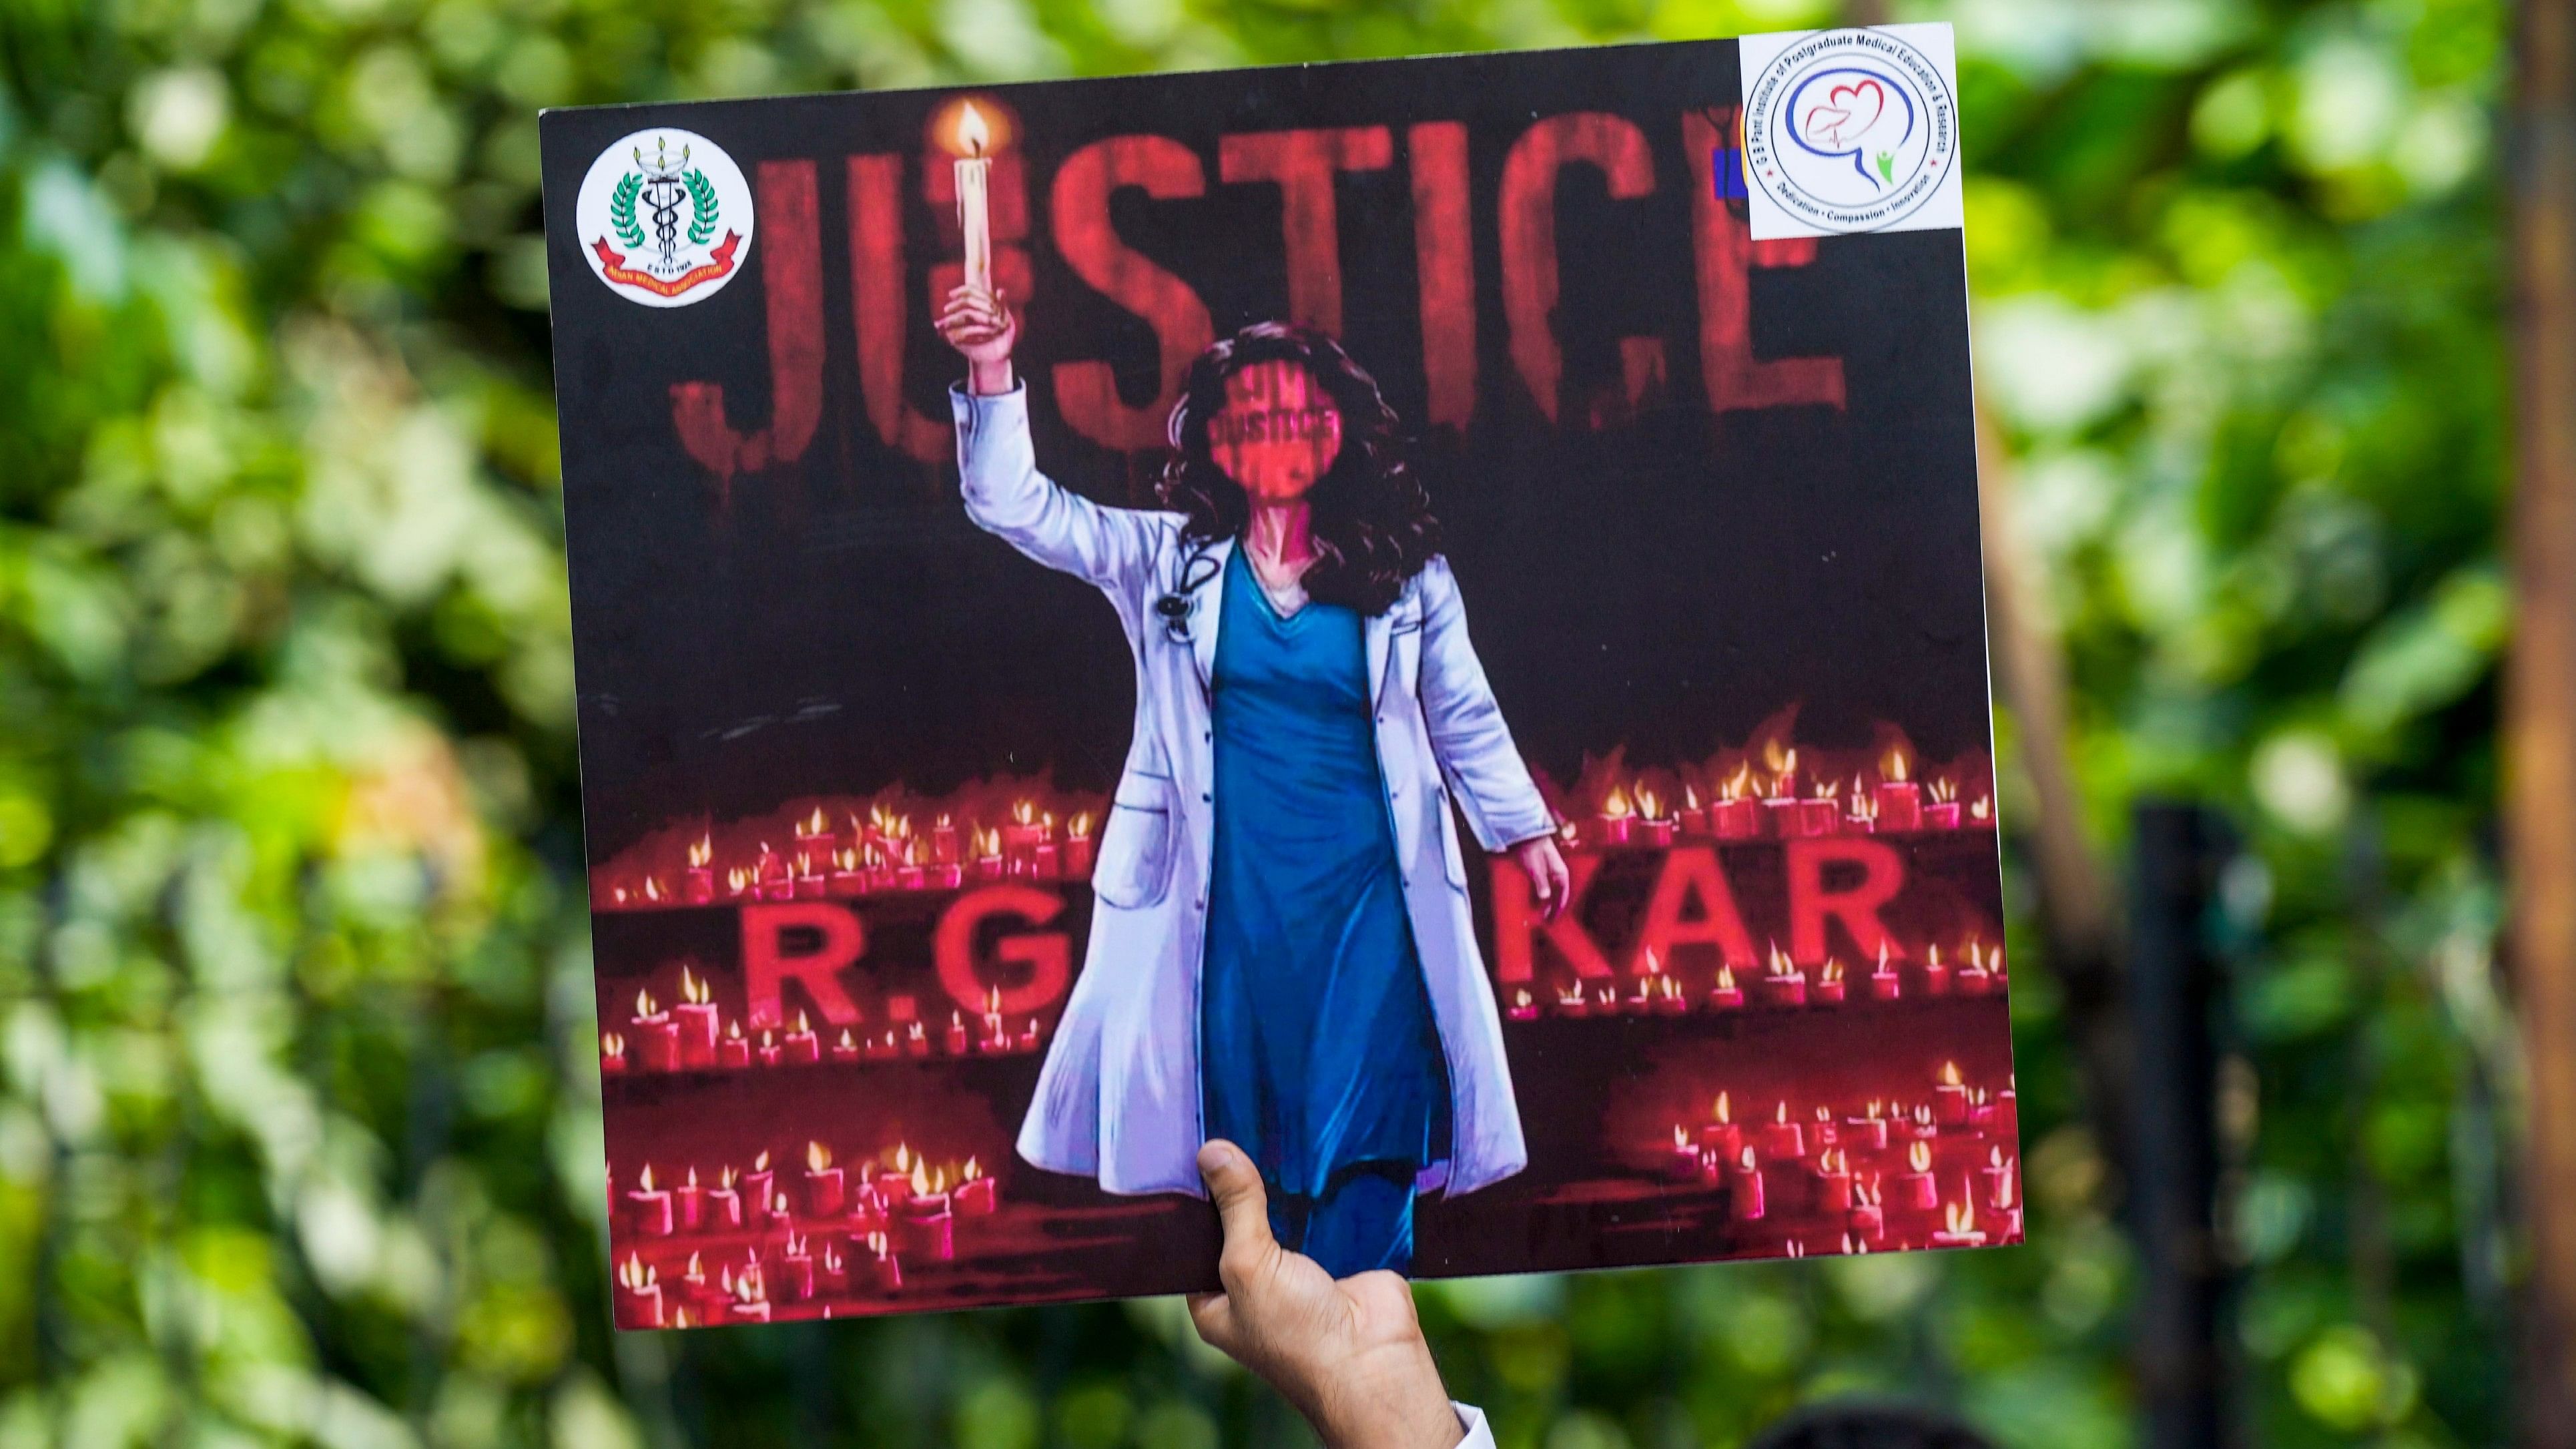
685 1037
1813 1161
1757 806
1974 970
806 1273
900 1189
881 853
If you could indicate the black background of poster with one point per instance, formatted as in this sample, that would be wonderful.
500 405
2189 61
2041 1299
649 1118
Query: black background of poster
1662 585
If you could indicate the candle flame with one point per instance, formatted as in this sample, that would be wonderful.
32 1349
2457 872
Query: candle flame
2005 1189
1725 978
902 1156
1681 1137
733 1029
1725 1109
1943 792
693 1175
817 1157
1828 789
1690 796
1615 806
1023 812
1079 827
1781 1114
645 1005
973 134
1919 1156
645 1182
701 851
845 1043
1980 808
1747 1159
971 1171
815 823
920 1179
726 1180
611 1044
736 879
693 990
761 1163
1570 995
1897 765
652 888
804 863
1960 1216
1648 805
1949 1074
1739 784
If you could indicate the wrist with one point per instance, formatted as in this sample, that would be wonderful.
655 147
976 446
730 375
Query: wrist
1406 1409
989 379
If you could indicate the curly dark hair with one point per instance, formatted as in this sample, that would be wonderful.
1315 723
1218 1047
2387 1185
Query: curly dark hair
1372 525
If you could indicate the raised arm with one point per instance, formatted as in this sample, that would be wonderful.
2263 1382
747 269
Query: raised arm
1494 788
997 467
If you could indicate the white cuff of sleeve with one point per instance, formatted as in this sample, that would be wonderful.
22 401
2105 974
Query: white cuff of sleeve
1472 1419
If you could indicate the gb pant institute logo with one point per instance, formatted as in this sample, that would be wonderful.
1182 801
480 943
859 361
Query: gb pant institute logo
1852 131
664 218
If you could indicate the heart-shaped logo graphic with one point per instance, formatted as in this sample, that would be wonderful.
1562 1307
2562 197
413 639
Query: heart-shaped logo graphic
1844 116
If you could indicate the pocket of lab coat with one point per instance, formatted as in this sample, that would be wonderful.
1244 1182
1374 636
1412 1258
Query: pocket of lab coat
1450 854
1135 865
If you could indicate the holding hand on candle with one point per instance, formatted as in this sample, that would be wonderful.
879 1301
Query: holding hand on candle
982 327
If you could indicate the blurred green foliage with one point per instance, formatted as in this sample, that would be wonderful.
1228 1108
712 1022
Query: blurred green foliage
299 1132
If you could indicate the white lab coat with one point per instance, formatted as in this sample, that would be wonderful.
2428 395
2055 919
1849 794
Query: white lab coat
1118 1098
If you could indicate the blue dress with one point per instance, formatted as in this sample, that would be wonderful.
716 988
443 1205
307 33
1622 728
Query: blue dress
1320 1056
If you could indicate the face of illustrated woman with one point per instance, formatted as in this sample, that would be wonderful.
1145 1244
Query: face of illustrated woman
1277 433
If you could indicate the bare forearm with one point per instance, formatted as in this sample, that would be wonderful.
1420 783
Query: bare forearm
990 379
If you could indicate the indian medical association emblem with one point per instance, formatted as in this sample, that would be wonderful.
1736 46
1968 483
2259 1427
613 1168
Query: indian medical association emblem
664 217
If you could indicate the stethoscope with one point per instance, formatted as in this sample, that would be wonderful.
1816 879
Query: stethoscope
1176 607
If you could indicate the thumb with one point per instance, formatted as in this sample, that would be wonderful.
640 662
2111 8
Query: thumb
1241 1205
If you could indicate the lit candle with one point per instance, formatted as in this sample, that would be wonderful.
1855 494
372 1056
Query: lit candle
1726 995
988 856
1869 1132
1694 819
612 1053
1685 1163
1029 1037
943 841
1046 856
1950 1097
1020 839
1746 1203
767 1049
1943 812
974 210
1721 1135
814 836
801 1047
825 1194
690 1201
1523 1008
1915 1189
883 1267
756 1186
2003 1200
1959 1225
894 1181
1899 798
977 1195
1833 1182
1883 982
699 880
648 1207
1782 1138
796 1269
724 1204
1078 847
846 1049
735 1049
1783 984
1820 1133
656 1034
913 873
1737 815
1822 812
695 1018
927 1216
809 875
639 1294
1616 815
1936 976
1981 812
1863 819
1828 987
957 1043
1570 1001
1972 978
916 1041
1868 1213
847 879
751 1296
1996 1176
1653 824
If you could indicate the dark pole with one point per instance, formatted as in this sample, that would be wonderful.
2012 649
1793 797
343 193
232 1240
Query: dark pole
2173 1179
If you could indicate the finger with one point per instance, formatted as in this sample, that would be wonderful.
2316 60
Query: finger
1213 1316
1241 1205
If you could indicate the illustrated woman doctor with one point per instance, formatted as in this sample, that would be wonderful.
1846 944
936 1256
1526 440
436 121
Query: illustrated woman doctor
1281 950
